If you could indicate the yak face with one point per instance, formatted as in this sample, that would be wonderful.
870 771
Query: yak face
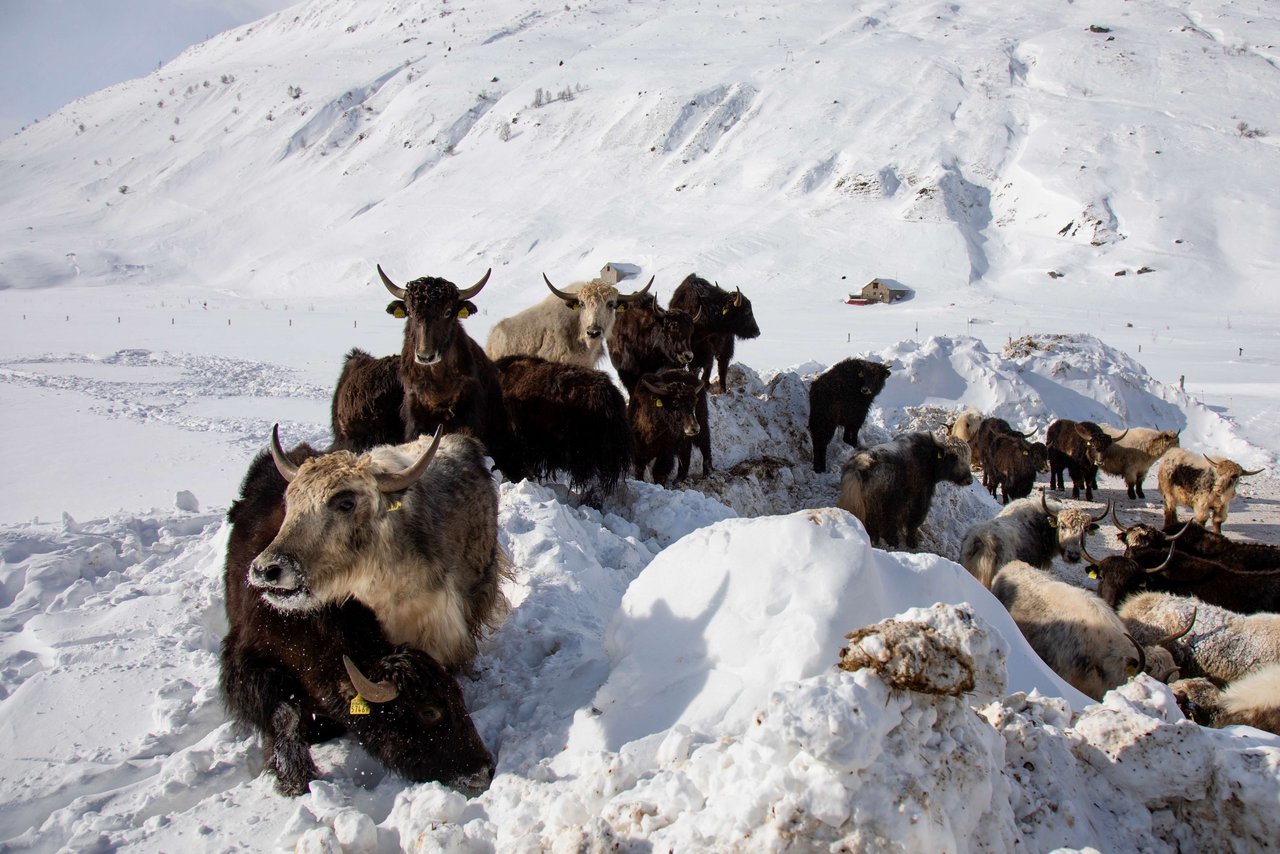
674 334
1093 440
953 459
1073 526
872 376
336 524
674 403
331 509
597 306
432 308
446 746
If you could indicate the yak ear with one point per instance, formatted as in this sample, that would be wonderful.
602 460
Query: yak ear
397 308
467 309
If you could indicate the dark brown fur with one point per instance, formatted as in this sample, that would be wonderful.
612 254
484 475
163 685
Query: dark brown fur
647 338
282 674
841 397
1011 465
366 402
719 316
568 419
1076 447
890 486
460 389
664 422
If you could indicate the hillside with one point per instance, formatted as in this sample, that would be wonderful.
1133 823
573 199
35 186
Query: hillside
192 253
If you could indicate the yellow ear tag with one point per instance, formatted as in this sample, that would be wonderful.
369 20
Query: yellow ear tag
396 506
398 313
463 314
658 404
358 706
724 311
622 306
1093 573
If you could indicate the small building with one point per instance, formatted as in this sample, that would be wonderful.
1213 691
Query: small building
611 274
876 291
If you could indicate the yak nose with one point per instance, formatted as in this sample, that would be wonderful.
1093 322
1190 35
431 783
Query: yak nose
275 570
426 358
686 357
594 331
691 430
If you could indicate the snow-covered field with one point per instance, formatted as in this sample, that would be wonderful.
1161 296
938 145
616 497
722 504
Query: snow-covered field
191 254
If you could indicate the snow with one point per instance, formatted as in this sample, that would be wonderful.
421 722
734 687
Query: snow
193 253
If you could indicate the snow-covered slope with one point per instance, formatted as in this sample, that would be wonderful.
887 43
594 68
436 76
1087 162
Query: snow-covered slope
192 253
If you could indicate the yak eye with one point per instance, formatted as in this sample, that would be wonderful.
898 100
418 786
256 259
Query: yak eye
611 305
432 715
343 502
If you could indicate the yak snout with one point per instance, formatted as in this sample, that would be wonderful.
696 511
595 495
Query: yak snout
685 357
473 785
280 574
594 331
426 359
691 428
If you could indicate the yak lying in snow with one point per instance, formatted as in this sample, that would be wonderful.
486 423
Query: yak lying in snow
297 675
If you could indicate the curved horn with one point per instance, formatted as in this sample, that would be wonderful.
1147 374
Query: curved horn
475 289
1153 570
396 290
1115 519
564 296
1212 460
402 480
287 468
655 389
1121 436
637 294
697 315
1142 654
1084 551
737 297
1044 502
1255 471
374 692
1176 635
1185 528
1024 435
1103 514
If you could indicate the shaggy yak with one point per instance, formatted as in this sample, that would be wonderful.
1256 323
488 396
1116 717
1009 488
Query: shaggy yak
841 397
298 677
664 417
719 317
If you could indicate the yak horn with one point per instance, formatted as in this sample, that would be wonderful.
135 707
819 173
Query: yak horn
1121 436
1212 460
475 289
1153 570
374 692
396 290
637 294
1024 435
1044 502
1103 514
1255 471
567 297
1185 528
1142 654
1084 551
287 468
402 480
1115 519
1176 635
737 298
658 390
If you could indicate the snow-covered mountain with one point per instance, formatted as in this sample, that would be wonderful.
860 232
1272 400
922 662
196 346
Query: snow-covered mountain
190 255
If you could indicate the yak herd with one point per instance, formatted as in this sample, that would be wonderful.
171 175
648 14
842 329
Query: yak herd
358 579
